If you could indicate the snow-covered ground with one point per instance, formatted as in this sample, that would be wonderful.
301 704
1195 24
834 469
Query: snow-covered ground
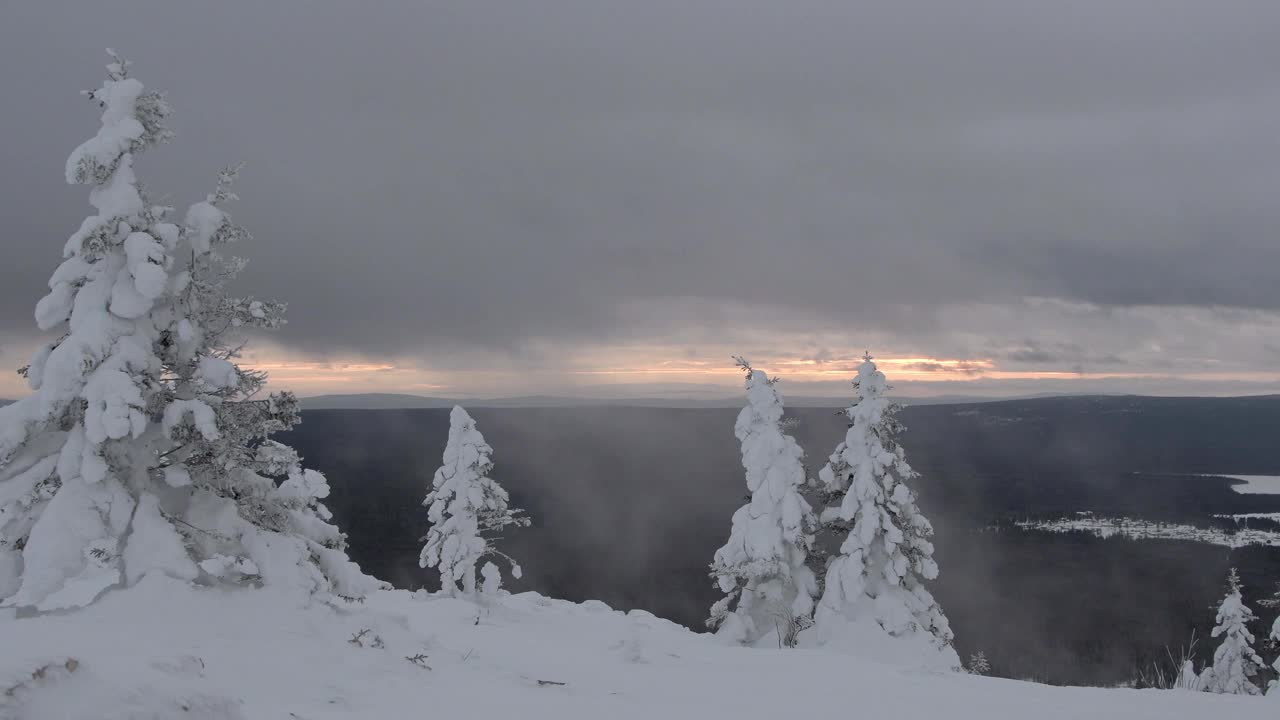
164 649
1239 517
1148 530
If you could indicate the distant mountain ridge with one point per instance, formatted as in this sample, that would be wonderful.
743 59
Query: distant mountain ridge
402 401
405 401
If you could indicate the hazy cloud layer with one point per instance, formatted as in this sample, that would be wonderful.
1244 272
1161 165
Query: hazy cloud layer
517 181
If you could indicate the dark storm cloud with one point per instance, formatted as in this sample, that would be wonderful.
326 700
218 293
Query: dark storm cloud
484 174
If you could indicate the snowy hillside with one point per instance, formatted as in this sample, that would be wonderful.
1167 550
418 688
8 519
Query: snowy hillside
163 649
163 554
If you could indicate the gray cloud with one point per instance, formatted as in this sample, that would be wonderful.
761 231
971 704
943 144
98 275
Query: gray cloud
1035 353
964 368
478 176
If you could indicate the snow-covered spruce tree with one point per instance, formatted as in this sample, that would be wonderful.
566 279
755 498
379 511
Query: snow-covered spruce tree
1273 644
143 447
885 553
466 507
763 565
1273 688
1234 662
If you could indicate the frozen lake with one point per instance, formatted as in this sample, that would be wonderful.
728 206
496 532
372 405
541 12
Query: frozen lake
1256 484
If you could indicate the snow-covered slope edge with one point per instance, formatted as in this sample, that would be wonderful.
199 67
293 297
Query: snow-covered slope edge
165 649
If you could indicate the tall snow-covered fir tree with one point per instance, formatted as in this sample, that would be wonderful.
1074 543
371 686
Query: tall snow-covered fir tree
1235 662
143 447
466 507
885 553
763 567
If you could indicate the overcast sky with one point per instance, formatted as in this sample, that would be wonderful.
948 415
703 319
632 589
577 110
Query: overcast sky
470 197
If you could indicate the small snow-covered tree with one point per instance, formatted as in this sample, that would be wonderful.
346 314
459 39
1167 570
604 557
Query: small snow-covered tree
143 446
1188 678
466 507
1234 662
885 552
763 567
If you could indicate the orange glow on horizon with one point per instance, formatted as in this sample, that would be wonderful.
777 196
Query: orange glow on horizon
595 370
318 377
802 368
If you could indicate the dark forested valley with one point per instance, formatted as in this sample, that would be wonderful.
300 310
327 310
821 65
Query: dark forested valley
629 503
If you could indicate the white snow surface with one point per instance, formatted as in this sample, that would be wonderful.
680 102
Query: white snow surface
165 648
